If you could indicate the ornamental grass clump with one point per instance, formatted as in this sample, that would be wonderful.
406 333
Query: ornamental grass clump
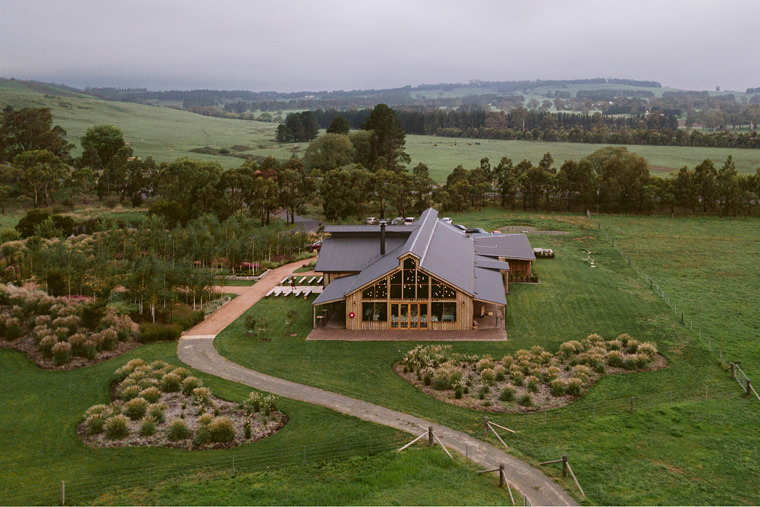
156 412
147 427
221 429
150 394
170 383
135 408
558 387
190 383
46 345
201 396
117 427
507 394
615 358
574 387
95 423
485 362
61 353
525 400
130 392
532 383
488 375
178 431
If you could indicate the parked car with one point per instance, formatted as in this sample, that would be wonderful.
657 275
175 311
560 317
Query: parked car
409 220
371 220
446 220
460 227
397 221
476 230
314 247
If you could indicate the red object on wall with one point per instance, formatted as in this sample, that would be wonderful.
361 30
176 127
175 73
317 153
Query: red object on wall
352 315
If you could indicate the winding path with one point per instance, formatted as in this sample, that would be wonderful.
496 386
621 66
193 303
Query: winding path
196 348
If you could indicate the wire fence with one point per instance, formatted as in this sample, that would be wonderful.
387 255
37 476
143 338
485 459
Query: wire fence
712 346
74 490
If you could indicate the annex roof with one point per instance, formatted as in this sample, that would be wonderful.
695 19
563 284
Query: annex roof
509 246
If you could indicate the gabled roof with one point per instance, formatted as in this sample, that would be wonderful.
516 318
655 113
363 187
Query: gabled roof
509 246
468 263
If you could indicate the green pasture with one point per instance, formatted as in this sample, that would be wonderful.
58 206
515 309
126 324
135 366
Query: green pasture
40 411
418 476
443 154
707 267
160 132
687 415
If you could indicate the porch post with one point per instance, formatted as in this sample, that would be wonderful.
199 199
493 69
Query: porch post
313 316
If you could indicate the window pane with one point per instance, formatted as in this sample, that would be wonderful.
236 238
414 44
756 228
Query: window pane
368 293
409 291
423 315
394 315
436 289
367 311
409 263
413 315
396 278
449 312
404 316
395 292
381 312
422 291
448 292
381 289
436 313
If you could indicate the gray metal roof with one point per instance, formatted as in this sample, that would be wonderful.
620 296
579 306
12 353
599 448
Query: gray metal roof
335 291
369 228
466 262
510 246
352 254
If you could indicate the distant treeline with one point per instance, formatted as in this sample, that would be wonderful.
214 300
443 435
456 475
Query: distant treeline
655 128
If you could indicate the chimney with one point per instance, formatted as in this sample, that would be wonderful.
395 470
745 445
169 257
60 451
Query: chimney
382 237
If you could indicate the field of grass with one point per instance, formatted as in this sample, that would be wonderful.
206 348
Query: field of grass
160 132
40 410
418 476
692 433
443 154
708 267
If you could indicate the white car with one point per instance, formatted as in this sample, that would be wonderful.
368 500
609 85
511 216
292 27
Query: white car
371 220
446 220
409 220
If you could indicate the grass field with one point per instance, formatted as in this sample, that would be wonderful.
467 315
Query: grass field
708 267
166 134
40 410
418 476
160 132
682 445
450 152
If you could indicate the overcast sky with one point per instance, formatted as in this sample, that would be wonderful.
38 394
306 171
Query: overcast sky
318 45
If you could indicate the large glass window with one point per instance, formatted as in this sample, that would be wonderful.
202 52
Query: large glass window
396 285
443 312
440 290
375 312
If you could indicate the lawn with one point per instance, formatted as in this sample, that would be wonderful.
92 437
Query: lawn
688 417
40 410
418 476
707 268
443 154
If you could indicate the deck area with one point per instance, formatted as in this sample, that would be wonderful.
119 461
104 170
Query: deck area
491 335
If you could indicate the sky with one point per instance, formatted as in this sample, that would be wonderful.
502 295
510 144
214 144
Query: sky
316 45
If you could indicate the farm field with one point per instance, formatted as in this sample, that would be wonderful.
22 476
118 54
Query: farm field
160 132
166 134
692 432
708 267
450 152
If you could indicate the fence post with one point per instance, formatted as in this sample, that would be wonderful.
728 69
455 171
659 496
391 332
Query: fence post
63 492
681 317
564 465
430 435
485 427
733 370
502 476
749 387
631 404
650 284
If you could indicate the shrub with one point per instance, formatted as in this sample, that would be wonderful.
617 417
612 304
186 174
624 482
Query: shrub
648 349
108 339
247 429
177 430
582 372
643 360
95 409
202 435
201 396
46 345
532 383
268 403
488 375
631 362
95 424
508 394
130 392
574 387
221 429
61 353
170 383
558 387
526 400
632 346
615 359
623 338
205 419
189 384
458 392
135 408
550 374
485 362
569 349
181 372
156 412
150 394
12 329
614 345
507 361
594 338
517 378
253 402
153 332
483 392
500 373
147 427
82 346
128 368
117 427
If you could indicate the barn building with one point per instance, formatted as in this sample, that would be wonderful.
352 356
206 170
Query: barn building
428 275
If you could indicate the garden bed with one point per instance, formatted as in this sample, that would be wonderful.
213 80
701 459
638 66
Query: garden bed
159 405
62 333
529 380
